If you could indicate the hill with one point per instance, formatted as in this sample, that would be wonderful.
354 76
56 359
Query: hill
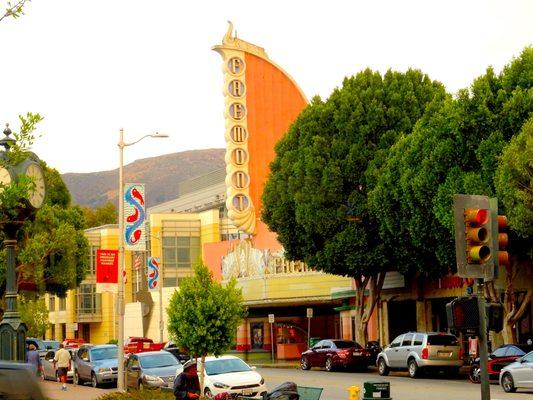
161 176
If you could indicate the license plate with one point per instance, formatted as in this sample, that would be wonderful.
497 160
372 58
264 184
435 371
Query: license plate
247 392
444 354
356 353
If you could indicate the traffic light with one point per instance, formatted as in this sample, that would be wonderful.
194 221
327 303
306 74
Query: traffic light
478 245
463 315
474 243
503 241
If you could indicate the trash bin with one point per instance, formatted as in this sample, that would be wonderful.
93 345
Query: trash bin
376 390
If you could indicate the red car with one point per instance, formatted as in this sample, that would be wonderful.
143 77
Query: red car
333 353
73 343
499 358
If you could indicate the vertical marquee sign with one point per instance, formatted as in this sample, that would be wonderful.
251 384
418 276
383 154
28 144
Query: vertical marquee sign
260 103
106 271
134 217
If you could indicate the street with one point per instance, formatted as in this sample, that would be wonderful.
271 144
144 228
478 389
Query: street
336 385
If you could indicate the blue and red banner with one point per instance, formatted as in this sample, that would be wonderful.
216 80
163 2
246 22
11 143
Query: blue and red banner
154 273
134 217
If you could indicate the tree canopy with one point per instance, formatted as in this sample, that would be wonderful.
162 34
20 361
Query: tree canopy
103 215
452 150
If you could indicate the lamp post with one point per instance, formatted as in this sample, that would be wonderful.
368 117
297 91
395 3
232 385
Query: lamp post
120 295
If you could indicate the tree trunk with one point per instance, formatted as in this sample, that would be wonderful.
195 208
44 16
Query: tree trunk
365 307
202 369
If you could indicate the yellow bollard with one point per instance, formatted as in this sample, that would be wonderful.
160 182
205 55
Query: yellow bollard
354 392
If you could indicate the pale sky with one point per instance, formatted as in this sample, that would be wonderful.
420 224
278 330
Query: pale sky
91 67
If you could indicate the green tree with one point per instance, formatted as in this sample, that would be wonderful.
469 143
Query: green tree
325 166
514 187
103 215
204 315
34 314
454 149
53 252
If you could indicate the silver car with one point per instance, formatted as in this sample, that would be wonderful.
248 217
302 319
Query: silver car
152 369
518 374
49 371
417 351
96 364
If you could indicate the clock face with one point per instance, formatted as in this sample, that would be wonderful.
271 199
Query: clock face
36 196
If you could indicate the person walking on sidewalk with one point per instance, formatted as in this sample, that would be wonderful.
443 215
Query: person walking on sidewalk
62 361
33 358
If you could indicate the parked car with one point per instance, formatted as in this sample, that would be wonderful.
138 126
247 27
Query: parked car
135 344
73 343
39 345
334 353
49 371
499 358
519 374
96 364
373 349
152 369
51 344
181 355
230 374
420 351
17 381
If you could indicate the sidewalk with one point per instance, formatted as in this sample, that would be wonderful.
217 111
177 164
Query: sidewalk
52 390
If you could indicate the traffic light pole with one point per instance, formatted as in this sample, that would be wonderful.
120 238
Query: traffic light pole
483 348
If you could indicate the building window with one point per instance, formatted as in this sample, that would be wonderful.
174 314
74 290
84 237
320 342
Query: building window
181 250
51 303
88 301
92 263
62 303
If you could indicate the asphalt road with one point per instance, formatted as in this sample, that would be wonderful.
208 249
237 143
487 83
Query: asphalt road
336 385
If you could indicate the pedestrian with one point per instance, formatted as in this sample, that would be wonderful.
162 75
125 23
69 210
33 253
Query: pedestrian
187 384
62 361
33 358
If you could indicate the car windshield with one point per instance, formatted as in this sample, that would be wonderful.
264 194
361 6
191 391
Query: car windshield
158 361
345 344
51 344
225 366
105 353
442 340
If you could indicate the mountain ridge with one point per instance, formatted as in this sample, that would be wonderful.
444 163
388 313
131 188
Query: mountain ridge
161 176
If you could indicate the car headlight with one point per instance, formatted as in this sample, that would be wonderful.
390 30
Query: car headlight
151 378
102 370
262 381
221 385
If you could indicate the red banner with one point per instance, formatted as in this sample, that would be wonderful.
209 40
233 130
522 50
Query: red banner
106 269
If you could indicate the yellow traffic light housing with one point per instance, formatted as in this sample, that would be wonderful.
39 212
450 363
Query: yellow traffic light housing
477 233
503 241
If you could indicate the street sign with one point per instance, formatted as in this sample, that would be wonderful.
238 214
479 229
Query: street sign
270 318
309 313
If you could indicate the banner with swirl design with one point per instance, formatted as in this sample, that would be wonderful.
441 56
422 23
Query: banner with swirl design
154 273
134 216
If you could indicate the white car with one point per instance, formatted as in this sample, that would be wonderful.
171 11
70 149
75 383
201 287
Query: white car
518 374
230 374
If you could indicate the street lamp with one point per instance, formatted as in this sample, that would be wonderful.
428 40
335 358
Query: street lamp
120 295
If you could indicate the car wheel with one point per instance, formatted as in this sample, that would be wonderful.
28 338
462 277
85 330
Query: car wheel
94 381
140 386
474 374
412 367
329 364
207 393
304 363
76 380
383 370
508 383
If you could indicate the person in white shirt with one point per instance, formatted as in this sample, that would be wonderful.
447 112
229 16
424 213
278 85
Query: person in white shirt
62 361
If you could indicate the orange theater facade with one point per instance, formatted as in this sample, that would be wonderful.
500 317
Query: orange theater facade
260 103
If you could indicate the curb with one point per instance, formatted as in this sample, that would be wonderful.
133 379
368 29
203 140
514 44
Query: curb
286 366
